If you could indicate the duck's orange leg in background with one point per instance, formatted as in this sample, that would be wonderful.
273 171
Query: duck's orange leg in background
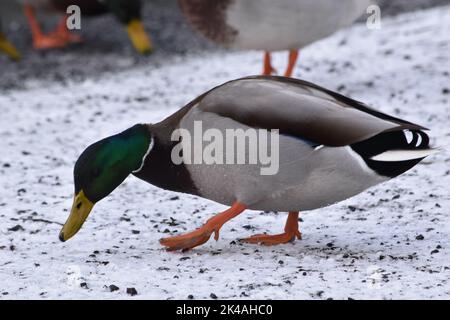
200 236
58 39
293 57
63 33
290 233
268 69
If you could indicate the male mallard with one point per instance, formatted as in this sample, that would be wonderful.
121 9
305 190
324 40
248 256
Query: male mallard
271 25
127 11
330 148
7 47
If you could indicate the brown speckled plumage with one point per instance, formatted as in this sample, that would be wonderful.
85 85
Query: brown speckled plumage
209 17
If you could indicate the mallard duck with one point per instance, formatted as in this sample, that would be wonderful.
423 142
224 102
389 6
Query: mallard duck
271 25
330 148
127 11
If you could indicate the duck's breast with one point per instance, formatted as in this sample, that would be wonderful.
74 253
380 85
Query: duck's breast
289 24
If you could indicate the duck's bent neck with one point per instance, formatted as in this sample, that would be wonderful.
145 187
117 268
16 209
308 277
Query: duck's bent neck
133 146
158 168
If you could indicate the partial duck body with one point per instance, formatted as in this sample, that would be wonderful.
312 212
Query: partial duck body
271 25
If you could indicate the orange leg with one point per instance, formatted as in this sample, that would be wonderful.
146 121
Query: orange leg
290 233
63 33
268 69
41 41
293 57
201 235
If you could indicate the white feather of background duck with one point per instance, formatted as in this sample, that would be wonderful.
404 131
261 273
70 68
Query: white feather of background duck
289 24
271 25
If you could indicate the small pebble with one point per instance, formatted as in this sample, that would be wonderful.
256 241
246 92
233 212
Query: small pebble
16 228
113 288
132 291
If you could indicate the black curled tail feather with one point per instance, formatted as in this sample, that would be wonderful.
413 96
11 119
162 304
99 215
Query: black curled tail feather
404 140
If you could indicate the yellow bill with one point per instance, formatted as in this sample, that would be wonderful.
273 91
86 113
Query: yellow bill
139 37
8 48
81 208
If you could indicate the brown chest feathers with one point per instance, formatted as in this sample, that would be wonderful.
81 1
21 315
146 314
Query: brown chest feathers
209 18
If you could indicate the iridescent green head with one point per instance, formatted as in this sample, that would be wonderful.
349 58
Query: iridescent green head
101 168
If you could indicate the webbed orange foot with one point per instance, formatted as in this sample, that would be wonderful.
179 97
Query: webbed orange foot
64 34
187 241
48 42
57 39
272 240
200 236
290 233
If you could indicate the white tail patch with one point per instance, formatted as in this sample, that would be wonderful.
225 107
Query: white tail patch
403 155
419 141
409 136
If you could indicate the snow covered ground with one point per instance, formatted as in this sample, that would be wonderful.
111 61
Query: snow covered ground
390 242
